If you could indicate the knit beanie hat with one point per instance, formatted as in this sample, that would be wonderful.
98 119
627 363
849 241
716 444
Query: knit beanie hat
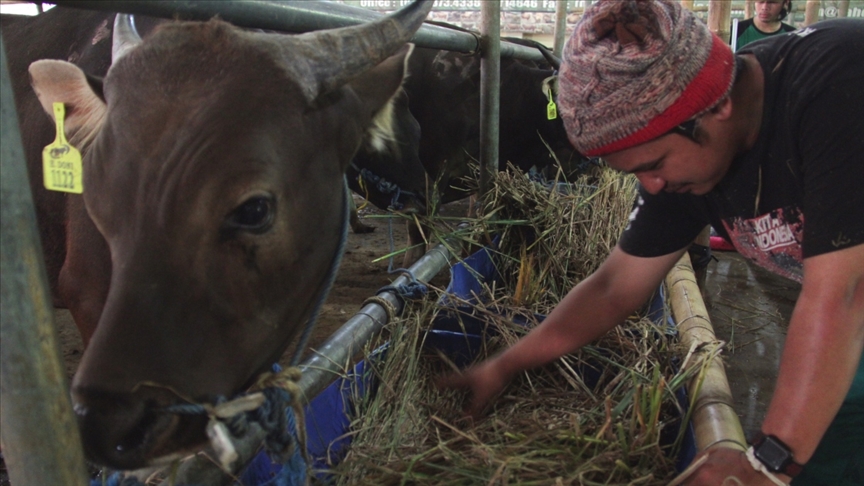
635 69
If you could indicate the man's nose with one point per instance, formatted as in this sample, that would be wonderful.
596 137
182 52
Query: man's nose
652 183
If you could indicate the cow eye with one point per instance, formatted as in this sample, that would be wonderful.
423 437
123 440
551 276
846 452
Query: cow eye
254 215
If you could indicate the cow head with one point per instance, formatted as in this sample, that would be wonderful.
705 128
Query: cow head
213 162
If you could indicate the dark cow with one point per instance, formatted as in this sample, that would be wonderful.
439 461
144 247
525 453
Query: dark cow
213 202
442 99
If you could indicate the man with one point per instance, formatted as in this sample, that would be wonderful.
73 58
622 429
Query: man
767 147
767 22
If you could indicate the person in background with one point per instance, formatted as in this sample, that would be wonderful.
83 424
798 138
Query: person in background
766 146
767 22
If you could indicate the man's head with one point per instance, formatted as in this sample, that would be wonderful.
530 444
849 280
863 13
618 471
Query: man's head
633 71
771 11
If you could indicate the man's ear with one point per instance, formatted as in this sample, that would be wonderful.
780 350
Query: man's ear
723 110
61 81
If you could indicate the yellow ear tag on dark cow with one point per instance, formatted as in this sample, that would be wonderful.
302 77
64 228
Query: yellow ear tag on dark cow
61 162
551 108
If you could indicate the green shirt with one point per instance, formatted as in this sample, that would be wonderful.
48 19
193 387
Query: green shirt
747 32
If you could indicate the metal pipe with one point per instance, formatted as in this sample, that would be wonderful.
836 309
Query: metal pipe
560 27
41 443
293 16
490 93
322 368
329 361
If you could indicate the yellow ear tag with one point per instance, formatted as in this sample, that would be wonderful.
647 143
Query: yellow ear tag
551 109
61 162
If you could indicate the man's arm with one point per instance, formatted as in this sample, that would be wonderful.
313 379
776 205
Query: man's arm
605 299
823 346
820 358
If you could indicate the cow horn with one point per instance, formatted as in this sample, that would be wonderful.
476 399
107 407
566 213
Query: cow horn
334 57
552 59
125 36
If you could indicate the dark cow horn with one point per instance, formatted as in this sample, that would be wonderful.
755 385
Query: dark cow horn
552 59
334 57
125 36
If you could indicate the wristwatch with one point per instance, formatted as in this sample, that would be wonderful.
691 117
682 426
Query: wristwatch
775 455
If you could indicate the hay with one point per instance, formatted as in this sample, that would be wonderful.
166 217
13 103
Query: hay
552 238
549 426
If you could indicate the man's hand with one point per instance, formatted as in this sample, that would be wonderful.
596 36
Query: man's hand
484 381
723 466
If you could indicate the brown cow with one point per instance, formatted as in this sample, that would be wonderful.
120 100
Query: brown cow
212 212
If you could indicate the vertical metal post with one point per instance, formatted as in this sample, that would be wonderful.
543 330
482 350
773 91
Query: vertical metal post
41 444
560 27
490 91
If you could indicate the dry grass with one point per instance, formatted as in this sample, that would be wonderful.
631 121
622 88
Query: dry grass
604 415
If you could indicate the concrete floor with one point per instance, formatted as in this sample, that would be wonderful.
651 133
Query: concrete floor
750 310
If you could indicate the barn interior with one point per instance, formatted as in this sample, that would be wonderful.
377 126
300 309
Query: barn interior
748 307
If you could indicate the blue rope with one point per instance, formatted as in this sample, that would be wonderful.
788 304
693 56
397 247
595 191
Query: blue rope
414 289
386 187
275 415
392 245
331 277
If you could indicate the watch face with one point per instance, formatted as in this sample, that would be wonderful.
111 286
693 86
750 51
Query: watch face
772 454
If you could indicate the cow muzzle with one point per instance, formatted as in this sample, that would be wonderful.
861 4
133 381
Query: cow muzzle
132 430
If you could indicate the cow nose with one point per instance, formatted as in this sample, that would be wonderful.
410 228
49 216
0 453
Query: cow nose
127 430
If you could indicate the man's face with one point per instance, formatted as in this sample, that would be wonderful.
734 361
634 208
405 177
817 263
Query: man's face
675 163
769 10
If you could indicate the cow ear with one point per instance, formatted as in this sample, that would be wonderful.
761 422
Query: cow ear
61 81
378 87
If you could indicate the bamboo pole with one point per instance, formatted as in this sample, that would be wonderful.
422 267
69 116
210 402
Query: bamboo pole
713 416
719 15
843 9
811 12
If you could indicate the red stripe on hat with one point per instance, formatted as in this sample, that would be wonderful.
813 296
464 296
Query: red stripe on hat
704 91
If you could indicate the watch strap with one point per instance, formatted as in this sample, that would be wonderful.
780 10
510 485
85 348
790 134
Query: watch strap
791 468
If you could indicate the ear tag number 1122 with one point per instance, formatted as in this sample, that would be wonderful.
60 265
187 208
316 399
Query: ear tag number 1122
61 162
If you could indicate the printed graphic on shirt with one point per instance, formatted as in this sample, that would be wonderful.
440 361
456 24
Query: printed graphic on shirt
635 212
772 240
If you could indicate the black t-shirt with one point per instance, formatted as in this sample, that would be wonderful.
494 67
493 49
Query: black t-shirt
807 163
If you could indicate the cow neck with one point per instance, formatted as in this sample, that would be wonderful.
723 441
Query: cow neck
328 283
